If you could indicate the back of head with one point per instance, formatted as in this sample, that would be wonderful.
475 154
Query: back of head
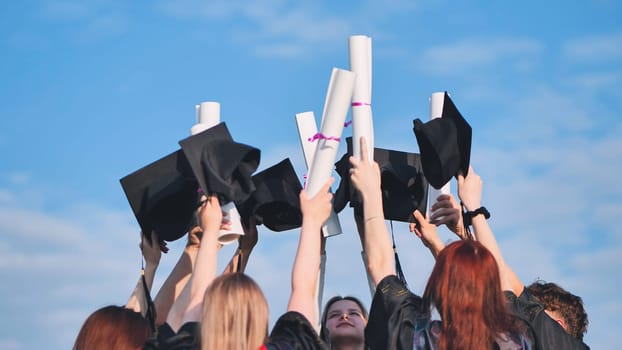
235 314
569 306
113 327
465 288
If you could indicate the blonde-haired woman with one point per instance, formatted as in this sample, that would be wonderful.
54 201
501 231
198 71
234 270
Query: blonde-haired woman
232 309
238 298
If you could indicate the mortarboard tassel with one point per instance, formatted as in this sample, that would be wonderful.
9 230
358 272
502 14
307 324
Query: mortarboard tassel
151 311
398 266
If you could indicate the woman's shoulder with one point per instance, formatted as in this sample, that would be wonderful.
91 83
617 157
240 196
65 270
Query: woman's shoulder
293 331
514 341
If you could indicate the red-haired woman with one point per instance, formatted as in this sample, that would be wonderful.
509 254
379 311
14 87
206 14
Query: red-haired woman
464 288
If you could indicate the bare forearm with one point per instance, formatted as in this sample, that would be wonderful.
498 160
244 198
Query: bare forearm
484 234
138 298
238 261
204 273
435 247
305 271
174 284
377 244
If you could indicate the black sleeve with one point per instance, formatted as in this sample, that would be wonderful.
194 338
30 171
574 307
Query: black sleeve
547 332
293 331
393 315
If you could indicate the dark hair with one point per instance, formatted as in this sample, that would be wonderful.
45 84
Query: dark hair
329 303
568 305
465 288
113 327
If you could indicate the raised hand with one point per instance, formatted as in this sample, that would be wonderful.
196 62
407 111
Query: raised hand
317 208
426 231
365 173
446 211
470 190
152 251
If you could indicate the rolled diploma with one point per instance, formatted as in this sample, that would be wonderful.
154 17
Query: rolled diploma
436 110
336 107
306 129
230 213
362 122
208 115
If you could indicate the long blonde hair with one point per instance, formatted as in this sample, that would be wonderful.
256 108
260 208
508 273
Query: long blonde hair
235 314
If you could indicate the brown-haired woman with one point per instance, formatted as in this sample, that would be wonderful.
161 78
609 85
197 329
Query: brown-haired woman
343 323
113 327
464 288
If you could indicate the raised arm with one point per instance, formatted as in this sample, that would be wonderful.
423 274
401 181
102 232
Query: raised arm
470 193
246 243
152 252
204 273
426 231
365 176
360 227
315 212
174 284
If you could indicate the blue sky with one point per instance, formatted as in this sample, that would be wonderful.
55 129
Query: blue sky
93 90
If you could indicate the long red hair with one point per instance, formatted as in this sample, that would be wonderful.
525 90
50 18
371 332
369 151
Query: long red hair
465 289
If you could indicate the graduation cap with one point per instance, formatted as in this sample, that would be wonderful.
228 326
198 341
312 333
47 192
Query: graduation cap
275 202
221 165
163 196
444 144
404 187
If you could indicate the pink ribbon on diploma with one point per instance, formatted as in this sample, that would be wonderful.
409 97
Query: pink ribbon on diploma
319 135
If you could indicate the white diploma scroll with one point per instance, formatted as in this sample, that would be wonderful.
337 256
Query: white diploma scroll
230 213
306 129
207 116
436 110
362 122
336 107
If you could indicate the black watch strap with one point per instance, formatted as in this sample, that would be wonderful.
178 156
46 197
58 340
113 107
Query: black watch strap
469 215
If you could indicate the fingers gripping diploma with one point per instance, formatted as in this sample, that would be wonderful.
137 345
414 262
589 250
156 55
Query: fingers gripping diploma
317 208
426 231
212 216
365 173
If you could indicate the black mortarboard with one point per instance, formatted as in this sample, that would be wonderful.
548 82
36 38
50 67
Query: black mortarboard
343 192
163 196
444 144
404 188
221 165
275 202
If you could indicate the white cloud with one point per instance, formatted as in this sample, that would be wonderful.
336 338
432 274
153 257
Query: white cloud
272 29
596 80
94 20
6 197
469 54
71 9
595 49
279 50
19 178
64 264
11 344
